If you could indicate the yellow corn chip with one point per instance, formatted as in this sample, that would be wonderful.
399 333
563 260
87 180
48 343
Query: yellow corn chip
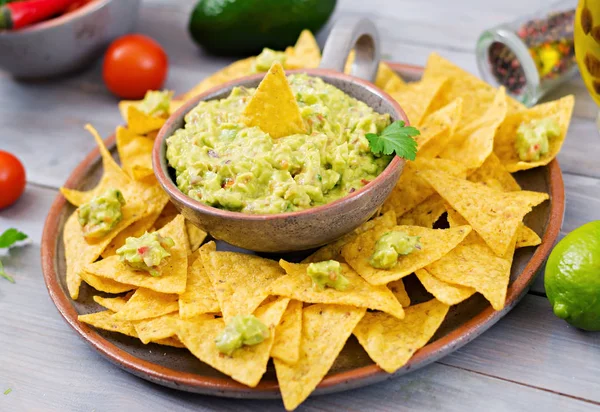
305 54
105 320
195 235
504 145
105 285
172 341
333 250
435 243
248 363
386 78
412 189
494 175
473 143
146 304
199 296
141 123
162 327
527 237
437 129
173 272
477 95
399 291
167 214
494 215
415 98
298 285
273 107
425 213
325 330
136 229
445 292
240 281
394 84
113 304
135 153
391 342
234 71
288 333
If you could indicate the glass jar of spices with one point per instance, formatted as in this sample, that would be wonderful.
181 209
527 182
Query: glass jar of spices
530 55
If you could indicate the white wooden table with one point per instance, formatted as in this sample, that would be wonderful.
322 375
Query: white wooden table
529 360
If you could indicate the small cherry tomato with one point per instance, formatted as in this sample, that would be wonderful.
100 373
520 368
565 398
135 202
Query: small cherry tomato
134 64
12 179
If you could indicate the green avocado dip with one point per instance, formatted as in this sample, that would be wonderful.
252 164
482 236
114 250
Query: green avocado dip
390 246
101 214
221 162
146 252
241 330
327 274
532 140
266 58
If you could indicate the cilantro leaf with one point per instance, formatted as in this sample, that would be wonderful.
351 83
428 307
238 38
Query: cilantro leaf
10 237
396 138
9 390
5 275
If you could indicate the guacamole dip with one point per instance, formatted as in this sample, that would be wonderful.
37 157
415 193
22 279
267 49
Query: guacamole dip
220 161
327 274
146 252
101 214
390 246
532 141
241 330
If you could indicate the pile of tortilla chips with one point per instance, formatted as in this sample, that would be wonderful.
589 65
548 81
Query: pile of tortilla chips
461 176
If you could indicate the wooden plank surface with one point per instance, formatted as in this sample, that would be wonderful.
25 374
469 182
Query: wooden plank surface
529 358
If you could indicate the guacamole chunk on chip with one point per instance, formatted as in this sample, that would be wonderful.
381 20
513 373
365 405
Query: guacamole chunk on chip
325 330
248 363
494 215
415 98
298 285
135 152
146 303
136 229
437 129
199 296
435 243
448 293
174 271
504 145
391 342
288 334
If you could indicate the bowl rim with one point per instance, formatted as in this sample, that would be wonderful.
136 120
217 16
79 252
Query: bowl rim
174 192
84 10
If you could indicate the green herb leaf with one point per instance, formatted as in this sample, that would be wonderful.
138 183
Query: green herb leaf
9 390
5 275
396 138
10 237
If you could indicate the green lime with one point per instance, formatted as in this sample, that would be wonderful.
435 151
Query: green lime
572 277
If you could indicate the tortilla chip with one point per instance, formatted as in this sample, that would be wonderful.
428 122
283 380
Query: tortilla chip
333 251
305 54
234 71
248 363
473 143
141 123
105 285
273 107
298 285
240 281
113 304
504 145
199 296
435 243
167 214
394 84
105 320
426 213
325 330
411 189
146 304
172 341
112 177
386 78
288 334
195 235
416 98
477 95
494 175
136 229
391 342
527 237
173 274
448 293
135 153
494 215
437 129
399 291
162 327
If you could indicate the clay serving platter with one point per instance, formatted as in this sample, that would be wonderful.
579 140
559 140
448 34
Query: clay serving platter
179 369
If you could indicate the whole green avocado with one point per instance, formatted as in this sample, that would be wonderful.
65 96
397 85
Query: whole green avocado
245 27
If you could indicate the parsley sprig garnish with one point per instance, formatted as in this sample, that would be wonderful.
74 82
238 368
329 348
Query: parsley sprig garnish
396 138
8 239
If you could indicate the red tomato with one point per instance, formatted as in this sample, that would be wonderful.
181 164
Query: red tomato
134 64
12 179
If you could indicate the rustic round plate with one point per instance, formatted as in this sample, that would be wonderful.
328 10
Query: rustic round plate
177 368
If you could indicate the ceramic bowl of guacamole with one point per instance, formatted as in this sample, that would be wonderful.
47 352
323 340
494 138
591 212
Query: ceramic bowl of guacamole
295 192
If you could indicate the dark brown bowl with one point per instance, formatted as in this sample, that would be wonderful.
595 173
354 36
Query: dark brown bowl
291 231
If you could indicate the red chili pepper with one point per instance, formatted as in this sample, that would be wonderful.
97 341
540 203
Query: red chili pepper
142 250
20 14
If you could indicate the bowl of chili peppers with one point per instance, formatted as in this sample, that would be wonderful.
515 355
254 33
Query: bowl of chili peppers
45 38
